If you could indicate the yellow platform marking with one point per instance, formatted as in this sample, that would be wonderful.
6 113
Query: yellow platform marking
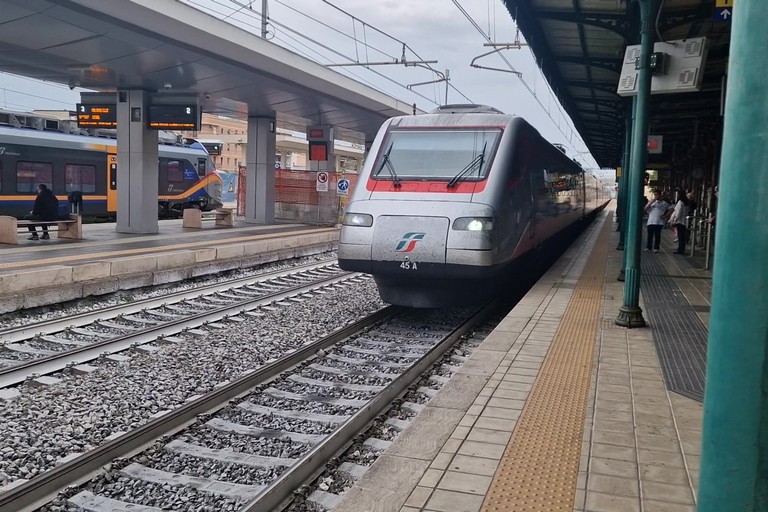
164 248
540 466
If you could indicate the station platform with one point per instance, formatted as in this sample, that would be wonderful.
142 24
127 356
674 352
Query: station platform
42 272
559 409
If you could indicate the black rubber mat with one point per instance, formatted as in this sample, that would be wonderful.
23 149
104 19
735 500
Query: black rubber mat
678 333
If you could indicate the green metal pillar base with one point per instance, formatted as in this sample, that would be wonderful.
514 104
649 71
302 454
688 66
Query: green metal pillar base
621 276
630 317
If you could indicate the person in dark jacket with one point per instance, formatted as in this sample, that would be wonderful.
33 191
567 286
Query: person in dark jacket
46 208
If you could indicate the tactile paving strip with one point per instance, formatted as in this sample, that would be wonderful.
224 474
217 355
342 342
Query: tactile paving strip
540 466
678 333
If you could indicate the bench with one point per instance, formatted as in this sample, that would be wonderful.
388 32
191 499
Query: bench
71 228
193 218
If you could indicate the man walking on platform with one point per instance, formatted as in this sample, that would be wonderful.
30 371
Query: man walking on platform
657 213
46 208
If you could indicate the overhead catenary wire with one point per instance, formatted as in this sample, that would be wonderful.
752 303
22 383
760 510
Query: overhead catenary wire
251 18
404 44
519 76
253 14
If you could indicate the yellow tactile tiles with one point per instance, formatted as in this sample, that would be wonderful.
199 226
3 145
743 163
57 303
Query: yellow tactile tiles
539 469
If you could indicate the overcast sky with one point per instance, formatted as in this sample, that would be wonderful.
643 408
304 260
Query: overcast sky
431 29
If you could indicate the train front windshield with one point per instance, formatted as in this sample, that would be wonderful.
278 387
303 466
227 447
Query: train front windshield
436 154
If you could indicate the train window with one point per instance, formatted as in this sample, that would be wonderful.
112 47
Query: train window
425 154
30 174
174 171
80 177
202 165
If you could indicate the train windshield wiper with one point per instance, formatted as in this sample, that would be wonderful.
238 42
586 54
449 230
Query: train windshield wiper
385 161
477 161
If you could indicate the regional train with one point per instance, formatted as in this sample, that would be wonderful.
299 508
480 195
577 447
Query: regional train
449 201
87 164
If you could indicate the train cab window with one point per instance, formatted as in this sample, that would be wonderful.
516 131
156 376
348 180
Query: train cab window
30 174
202 165
80 178
437 154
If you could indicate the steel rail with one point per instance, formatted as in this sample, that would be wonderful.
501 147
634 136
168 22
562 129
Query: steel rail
277 495
24 332
57 362
44 488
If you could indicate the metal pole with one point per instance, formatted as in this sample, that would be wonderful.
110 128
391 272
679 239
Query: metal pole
708 254
734 457
447 73
630 315
263 19
622 206
624 183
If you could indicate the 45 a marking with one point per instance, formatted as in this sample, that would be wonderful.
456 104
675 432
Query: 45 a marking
409 265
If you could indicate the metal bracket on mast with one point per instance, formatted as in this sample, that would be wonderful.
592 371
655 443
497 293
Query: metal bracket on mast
516 45
403 61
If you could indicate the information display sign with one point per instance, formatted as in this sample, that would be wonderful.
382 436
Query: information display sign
96 116
174 117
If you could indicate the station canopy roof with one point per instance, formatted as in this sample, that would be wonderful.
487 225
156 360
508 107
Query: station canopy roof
579 45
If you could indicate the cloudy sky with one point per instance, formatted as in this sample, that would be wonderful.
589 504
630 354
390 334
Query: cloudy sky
375 31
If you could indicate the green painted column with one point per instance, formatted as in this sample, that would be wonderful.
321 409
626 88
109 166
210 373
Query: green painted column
630 314
622 207
622 203
623 180
734 457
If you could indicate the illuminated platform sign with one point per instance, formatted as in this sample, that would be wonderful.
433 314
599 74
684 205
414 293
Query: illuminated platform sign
320 140
96 116
174 117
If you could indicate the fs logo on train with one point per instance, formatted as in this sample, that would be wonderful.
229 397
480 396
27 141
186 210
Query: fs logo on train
408 244
409 241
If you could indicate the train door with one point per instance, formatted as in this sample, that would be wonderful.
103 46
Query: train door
112 180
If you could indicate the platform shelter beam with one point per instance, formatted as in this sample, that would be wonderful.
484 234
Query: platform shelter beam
137 169
260 177
630 313
734 462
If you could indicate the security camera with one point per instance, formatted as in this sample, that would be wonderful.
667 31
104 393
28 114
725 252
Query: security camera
207 96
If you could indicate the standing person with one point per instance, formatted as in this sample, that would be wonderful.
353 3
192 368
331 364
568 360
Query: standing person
678 220
657 213
46 207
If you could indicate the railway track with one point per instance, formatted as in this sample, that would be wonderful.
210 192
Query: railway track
304 408
57 344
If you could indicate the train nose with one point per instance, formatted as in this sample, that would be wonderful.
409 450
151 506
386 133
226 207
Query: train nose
410 239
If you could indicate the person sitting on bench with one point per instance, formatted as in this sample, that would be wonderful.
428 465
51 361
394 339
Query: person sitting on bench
46 208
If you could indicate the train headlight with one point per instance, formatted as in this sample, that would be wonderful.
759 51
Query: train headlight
473 224
357 219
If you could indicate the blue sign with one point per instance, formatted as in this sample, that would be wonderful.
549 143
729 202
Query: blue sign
342 186
723 14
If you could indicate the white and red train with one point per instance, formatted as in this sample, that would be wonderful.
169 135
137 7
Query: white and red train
448 201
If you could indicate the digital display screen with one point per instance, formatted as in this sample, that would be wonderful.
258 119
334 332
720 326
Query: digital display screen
174 117
96 116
